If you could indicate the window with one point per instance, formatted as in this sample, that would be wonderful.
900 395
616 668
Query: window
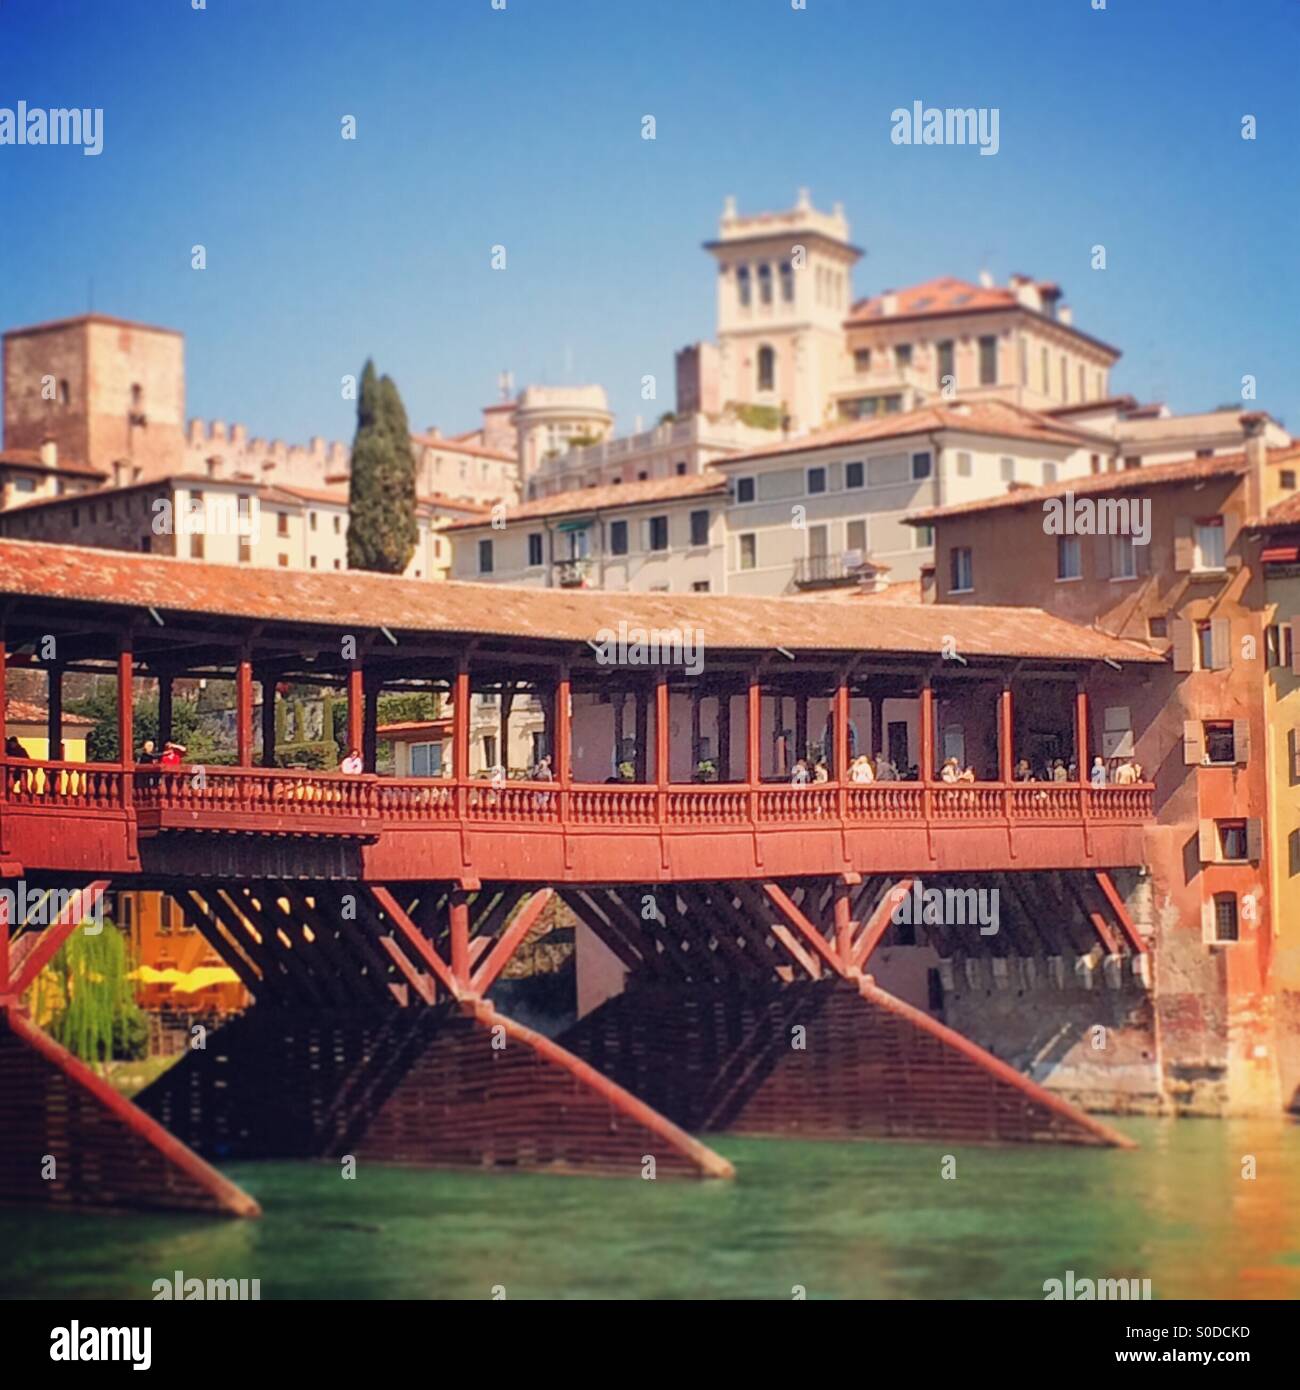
282 560
1205 646
1278 645
1095 462
903 355
1083 384
65 394
854 474
1065 380
196 547
988 361
766 368
658 533
1049 472
922 537
862 360
1123 558
700 586
534 547
1207 536
1007 466
312 563
946 366
961 578
1043 372
681 470
744 489
26 485
1286 479
964 465
485 557
1232 840
146 545
765 283
489 750
311 520
641 477
337 525
1132 461
338 564
700 528
855 536
618 537
748 547
1069 563
246 551
1157 627
920 466
426 760
1219 743
282 523
742 286
1223 917
787 282
816 480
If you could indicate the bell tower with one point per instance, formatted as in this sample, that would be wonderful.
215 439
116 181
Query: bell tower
784 291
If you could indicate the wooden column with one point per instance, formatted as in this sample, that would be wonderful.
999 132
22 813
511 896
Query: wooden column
843 923
460 723
370 722
54 712
1081 734
561 749
165 716
356 705
459 911
877 735
642 737
267 681
800 726
724 737
662 731
754 732
126 714
507 704
696 733
925 761
244 712
1006 753
4 739
840 734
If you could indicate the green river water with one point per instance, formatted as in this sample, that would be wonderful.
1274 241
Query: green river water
843 1220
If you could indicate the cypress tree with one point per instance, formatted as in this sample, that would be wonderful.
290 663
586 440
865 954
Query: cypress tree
382 530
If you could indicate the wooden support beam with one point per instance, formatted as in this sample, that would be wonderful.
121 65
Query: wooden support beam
54 711
276 980
409 933
499 956
797 919
165 700
753 730
356 705
460 722
370 721
562 725
196 914
878 924
724 736
663 730
458 915
1120 909
75 910
641 762
609 936
244 711
926 760
1006 751
266 679
1081 734
125 710
840 733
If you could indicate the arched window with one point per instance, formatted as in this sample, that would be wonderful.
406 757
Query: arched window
65 393
766 369
787 282
742 285
765 283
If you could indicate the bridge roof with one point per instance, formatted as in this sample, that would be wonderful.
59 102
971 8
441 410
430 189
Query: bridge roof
349 601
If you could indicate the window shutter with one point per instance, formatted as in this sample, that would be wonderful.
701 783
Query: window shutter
1207 922
1184 551
1254 839
1193 742
1286 637
1295 754
1182 634
1207 842
1231 526
1142 558
1102 549
1220 643
1241 740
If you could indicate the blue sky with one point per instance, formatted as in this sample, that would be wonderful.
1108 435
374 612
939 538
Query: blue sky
522 127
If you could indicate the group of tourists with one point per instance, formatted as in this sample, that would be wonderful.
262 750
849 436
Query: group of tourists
172 755
1120 772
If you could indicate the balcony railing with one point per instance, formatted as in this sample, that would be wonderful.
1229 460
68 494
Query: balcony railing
188 796
823 571
572 574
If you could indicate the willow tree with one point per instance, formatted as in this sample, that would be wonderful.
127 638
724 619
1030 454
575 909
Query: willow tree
382 530
85 993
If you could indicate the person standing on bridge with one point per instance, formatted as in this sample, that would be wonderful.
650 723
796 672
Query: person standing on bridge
352 764
172 754
1098 772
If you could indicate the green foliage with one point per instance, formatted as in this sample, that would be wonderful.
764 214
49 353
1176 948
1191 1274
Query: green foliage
759 417
87 989
320 756
101 740
409 706
382 530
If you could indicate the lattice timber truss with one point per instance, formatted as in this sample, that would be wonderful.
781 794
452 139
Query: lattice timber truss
67 1138
454 1085
746 1009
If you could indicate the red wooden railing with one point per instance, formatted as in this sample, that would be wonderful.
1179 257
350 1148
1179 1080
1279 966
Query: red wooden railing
323 796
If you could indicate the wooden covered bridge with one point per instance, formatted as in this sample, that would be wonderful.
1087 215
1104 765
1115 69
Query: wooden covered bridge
371 915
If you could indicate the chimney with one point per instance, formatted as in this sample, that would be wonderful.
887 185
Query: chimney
986 279
889 302
49 453
1254 425
872 575
1065 315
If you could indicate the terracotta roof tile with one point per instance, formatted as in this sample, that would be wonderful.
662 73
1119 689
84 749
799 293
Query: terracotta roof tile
31 458
26 712
978 417
351 600
612 495
102 319
457 446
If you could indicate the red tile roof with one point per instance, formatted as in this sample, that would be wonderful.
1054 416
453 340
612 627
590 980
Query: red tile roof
349 600
103 319
31 458
1128 480
25 712
1283 515
413 726
457 446
976 417
614 496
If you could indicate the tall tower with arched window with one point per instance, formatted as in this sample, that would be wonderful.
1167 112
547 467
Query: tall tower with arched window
784 291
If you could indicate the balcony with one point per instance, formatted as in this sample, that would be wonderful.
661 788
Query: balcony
827 571
573 574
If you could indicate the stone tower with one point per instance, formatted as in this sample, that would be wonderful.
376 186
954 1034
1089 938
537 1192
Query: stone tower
784 291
